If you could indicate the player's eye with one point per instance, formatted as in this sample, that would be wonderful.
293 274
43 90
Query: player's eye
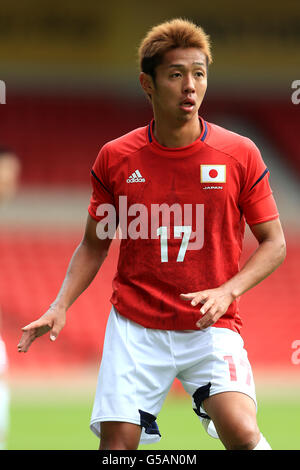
199 73
175 74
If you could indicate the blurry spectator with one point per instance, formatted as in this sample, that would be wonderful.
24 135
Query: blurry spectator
9 177
9 173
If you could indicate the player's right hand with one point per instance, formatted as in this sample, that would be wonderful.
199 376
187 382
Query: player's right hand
53 320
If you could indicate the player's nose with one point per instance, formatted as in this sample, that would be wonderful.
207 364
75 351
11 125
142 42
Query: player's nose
188 84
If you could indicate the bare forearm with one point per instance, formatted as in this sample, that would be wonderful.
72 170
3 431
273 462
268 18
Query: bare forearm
268 256
83 267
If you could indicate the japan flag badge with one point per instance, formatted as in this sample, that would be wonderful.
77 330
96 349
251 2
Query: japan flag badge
213 173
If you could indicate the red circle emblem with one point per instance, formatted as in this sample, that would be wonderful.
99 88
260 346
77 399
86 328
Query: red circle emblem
213 173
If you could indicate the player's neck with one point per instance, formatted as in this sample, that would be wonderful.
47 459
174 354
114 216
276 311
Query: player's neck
175 136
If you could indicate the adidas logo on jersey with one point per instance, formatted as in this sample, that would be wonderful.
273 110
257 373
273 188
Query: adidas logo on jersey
136 177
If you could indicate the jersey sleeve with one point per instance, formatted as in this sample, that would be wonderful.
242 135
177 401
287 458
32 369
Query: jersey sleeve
101 191
256 198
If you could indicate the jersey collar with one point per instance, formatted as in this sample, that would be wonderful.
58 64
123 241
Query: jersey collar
180 151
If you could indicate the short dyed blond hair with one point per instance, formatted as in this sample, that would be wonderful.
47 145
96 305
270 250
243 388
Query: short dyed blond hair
171 35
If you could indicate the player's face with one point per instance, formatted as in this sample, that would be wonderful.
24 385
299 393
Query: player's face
180 84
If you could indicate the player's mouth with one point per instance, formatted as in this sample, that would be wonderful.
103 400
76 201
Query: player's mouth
188 105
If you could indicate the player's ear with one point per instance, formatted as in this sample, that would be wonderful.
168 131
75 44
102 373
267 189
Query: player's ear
146 82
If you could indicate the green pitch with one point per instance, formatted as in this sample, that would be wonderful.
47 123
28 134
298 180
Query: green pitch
60 420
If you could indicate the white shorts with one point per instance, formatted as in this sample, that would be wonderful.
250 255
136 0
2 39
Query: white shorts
140 364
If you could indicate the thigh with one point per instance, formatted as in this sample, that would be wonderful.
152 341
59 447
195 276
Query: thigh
234 417
119 436
219 364
136 373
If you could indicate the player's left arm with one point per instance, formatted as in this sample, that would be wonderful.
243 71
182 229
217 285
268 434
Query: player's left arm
268 256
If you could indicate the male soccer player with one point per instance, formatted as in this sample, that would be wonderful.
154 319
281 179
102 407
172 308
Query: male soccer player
181 189
9 176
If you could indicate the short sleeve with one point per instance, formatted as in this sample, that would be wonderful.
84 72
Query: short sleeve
256 199
101 191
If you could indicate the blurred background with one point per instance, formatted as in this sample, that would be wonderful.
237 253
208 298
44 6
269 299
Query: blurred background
71 76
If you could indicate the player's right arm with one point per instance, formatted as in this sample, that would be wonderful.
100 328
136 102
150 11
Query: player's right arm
83 267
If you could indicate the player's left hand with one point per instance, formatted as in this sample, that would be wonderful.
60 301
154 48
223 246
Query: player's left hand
215 303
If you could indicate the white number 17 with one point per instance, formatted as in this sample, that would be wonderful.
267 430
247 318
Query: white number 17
178 230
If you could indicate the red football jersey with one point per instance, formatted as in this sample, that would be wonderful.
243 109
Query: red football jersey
182 215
